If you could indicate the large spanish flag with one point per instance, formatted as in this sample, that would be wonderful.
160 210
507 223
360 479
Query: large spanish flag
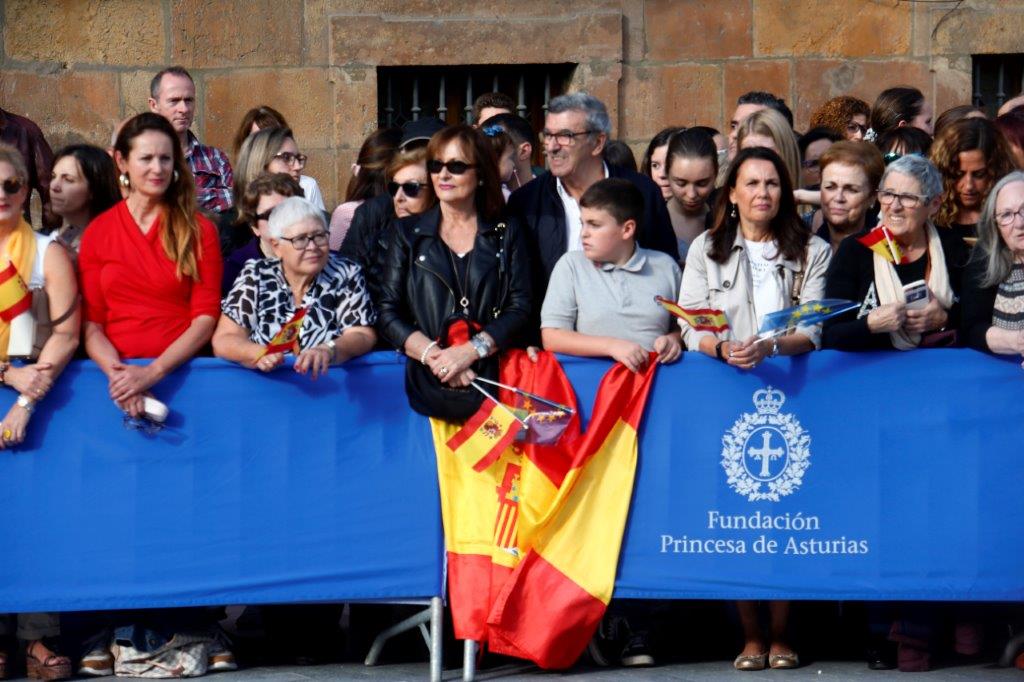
556 596
481 508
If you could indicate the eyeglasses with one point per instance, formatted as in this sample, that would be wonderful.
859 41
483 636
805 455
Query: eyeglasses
265 215
411 188
290 158
1006 218
885 197
146 426
434 166
852 128
12 186
300 243
808 164
562 139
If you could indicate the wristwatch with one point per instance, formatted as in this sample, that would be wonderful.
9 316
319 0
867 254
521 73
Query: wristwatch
481 345
718 350
25 403
775 347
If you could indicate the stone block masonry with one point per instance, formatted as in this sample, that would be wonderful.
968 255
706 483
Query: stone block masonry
78 66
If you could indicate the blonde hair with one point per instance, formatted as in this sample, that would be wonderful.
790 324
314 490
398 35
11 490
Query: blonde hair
771 123
256 153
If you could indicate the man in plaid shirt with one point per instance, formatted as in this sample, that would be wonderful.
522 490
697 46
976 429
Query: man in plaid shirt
172 94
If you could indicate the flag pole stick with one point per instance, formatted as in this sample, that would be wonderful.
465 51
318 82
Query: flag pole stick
519 391
892 249
499 404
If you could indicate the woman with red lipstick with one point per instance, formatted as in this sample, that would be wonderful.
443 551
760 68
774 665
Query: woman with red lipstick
971 155
909 196
150 267
692 166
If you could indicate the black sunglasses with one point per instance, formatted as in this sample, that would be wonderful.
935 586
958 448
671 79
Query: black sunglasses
454 167
411 188
265 215
14 185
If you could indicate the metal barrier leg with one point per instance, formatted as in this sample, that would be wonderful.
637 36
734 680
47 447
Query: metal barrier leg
424 616
436 638
469 660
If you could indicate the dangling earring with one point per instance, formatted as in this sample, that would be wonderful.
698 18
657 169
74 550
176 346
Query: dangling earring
124 180
480 184
175 176
734 213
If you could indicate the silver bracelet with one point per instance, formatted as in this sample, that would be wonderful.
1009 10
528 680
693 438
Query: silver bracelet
423 355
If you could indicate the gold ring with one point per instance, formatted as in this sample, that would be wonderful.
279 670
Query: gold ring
7 434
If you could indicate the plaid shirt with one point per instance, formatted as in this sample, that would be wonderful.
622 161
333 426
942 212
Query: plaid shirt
213 175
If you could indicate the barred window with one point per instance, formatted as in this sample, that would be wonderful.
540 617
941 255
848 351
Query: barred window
997 78
404 93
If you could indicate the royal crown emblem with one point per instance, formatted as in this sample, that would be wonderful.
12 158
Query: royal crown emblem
765 454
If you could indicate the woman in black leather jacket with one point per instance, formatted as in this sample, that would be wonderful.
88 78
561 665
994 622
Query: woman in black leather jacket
460 259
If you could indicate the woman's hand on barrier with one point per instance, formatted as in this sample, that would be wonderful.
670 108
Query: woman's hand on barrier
747 354
131 380
269 362
134 406
668 347
887 318
14 426
453 361
632 355
314 361
33 381
932 316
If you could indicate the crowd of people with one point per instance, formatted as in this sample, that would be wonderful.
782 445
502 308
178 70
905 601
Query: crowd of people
452 245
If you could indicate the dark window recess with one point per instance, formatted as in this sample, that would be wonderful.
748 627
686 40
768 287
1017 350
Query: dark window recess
997 78
405 93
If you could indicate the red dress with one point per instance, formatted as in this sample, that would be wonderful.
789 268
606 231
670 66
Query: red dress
130 287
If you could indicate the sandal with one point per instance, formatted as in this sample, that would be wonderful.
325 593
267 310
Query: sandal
53 667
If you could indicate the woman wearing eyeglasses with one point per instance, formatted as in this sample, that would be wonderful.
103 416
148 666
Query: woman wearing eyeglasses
909 196
993 298
457 261
409 184
270 150
303 274
261 195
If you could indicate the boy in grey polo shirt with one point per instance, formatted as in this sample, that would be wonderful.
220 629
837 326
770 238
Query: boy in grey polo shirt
600 301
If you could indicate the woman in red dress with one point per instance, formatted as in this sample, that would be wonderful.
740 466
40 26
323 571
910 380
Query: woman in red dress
150 267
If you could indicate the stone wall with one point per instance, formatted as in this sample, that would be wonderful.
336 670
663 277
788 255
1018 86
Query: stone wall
78 66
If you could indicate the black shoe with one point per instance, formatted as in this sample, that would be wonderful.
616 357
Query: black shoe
881 657
637 653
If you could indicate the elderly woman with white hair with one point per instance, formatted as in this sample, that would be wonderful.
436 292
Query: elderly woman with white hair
993 297
909 195
338 323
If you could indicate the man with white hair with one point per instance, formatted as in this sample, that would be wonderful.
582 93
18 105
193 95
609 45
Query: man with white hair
576 129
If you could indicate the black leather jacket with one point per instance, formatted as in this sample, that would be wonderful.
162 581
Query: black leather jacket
418 292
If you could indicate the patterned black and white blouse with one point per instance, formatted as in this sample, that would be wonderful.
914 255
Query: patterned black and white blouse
262 302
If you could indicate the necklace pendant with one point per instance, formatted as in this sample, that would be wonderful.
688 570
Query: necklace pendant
464 302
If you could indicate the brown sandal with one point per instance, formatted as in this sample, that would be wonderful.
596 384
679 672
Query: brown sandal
53 667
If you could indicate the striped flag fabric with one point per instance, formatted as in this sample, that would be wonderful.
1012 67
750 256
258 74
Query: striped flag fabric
881 241
551 605
485 435
15 298
286 340
700 319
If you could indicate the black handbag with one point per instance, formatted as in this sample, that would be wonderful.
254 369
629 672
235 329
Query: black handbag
429 397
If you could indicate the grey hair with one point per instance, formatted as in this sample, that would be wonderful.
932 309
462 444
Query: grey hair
11 155
595 110
291 211
919 168
991 249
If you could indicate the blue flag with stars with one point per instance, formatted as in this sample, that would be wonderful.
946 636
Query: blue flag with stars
805 314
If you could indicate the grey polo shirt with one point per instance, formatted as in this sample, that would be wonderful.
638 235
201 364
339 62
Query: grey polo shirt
603 299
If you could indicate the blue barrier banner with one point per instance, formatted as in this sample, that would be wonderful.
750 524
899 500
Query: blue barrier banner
855 476
828 476
264 488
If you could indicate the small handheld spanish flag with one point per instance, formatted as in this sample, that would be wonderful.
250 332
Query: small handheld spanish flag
486 434
881 241
15 298
287 339
700 319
